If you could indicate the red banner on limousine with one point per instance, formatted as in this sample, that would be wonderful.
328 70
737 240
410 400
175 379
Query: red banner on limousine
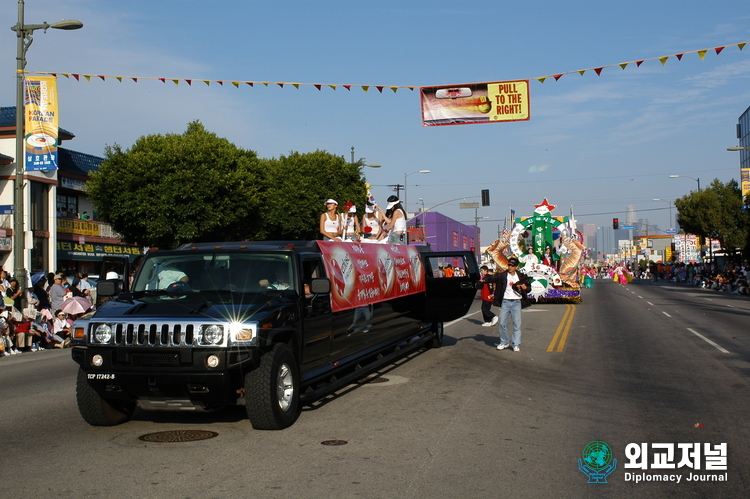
362 274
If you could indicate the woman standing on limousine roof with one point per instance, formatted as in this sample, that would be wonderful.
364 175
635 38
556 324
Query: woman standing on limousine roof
331 224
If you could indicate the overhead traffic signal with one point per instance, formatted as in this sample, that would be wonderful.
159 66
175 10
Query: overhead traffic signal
485 197
615 223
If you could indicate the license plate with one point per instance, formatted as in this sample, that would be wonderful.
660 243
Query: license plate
100 376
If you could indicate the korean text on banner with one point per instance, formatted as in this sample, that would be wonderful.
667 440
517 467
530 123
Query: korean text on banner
475 103
41 123
363 274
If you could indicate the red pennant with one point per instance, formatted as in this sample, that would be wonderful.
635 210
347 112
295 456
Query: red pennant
317 86
638 63
189 82
557 77
76 76
220 82
249 83
102 77
348 87
380 89
55 74
678 56
281 85
135 80
163 80
718 50
598 71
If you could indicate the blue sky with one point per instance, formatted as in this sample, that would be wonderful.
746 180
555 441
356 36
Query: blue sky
596 143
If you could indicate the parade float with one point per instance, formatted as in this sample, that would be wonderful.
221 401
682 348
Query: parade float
549 249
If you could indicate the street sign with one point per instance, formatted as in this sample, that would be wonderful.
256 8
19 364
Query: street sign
671 231
627 227
6 209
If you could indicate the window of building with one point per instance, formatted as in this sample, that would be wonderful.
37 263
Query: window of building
67 206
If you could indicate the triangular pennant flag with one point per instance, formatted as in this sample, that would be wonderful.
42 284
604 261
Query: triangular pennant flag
718 50
66 75
332 86
316 86
76 76
207 82
189 82
663 60
638 63
236 84
119 78
741 45
163 80
557 77
249 83
102 77
348 87
598 71
54 74
624 65
380 89
395 89
678 56
702 54
296 85
365 88
581 71
176 82
220 82
280 84
135 79
88 78
265 83
541 80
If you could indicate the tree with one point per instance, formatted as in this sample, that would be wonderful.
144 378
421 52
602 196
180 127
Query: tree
715 212
170 189
299 185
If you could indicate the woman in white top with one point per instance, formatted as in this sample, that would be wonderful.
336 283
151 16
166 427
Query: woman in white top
330 222
395 218
351 228
372 220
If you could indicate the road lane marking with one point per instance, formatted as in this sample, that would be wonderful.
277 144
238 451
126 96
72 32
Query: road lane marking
562 329
666 314
459 320
723 350
650 303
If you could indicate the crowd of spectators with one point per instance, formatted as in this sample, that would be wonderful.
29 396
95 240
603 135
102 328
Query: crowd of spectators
34 319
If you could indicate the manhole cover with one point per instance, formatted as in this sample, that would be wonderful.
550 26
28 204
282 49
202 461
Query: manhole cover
334 442
374 379
178 436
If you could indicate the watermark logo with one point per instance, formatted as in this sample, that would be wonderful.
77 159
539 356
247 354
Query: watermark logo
596 461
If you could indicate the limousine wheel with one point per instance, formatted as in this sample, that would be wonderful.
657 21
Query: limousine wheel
437 341
272 390
97 411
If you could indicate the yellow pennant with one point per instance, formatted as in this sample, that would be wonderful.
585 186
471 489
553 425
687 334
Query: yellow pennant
119 78
176 82
624 65
365 88
741 45
88 78
663 60
581 72
702 54
541 80
236 84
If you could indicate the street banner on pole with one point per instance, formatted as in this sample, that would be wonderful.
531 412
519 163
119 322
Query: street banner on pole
41 123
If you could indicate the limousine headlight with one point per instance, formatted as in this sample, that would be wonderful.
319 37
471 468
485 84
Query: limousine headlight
102 334
213 334
242 334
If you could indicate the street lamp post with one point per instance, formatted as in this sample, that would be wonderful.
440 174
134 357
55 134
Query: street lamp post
696 179
406 206
24 32
670 209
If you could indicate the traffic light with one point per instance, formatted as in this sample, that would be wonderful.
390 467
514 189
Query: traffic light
485 197
615 223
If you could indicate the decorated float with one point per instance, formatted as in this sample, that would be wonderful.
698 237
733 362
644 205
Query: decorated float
549 249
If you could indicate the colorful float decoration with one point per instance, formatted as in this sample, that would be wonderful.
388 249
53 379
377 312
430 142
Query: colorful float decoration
549 250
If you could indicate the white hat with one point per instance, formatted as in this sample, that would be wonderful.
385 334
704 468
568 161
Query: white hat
353 209
392 204
368 209
332 201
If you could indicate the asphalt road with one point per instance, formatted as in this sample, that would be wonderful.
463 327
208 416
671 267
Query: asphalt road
645 363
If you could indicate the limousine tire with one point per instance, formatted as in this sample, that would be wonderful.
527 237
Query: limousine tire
97 411
272 390
437 340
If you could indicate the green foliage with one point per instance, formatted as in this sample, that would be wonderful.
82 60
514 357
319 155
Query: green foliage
170 189
715 212
167 190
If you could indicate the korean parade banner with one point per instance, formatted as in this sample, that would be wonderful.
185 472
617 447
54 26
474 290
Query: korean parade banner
41 123
363 274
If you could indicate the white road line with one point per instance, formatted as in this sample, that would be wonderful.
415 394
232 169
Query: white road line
666 314
723 350
650 303
459 320
639 296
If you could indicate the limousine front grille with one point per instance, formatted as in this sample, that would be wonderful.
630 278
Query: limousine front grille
158 334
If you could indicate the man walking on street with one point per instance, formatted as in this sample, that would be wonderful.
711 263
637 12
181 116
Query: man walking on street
511 288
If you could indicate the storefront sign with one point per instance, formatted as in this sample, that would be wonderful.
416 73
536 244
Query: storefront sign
68 250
